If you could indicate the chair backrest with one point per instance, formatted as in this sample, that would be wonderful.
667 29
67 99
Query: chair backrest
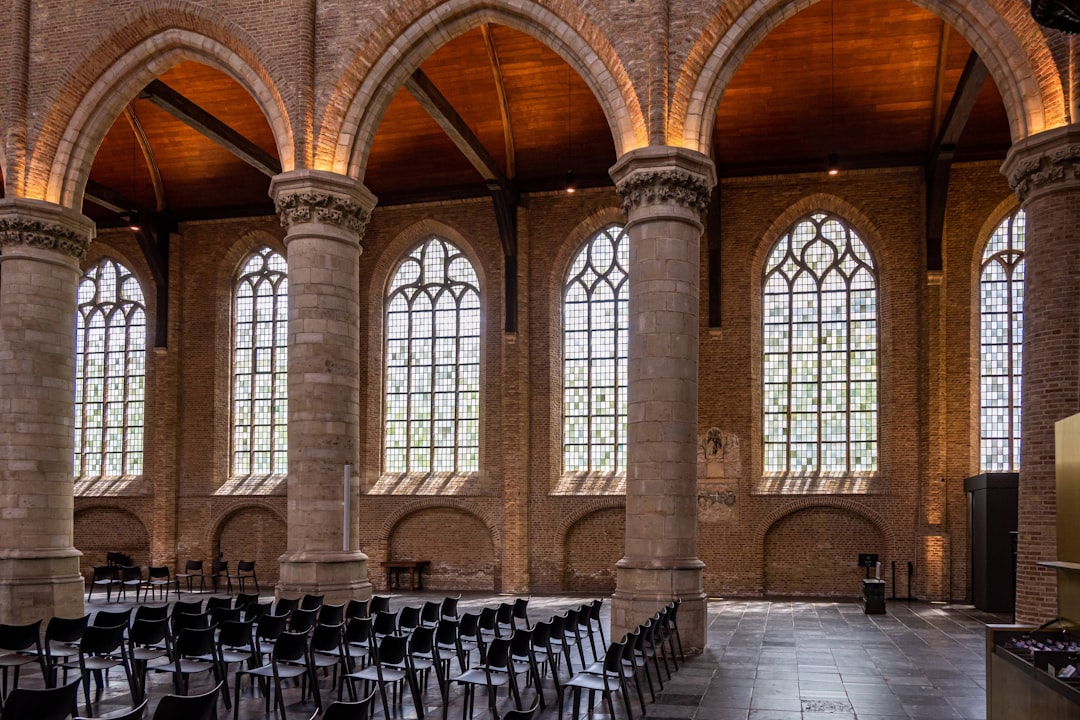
430 613
106 573
327 638
193 607
422 642
521 609
219 567
392 650
215 601
488 619
194 642
469 626
20 637
255 610
384 623
151 612
236 634
135 713
302 620
530 714
504 614
613 658
270 627
158 573
245 599
358 630
446 633
311 602
131 573
521 644
379 603
497 654
449 607
594 609
50 704
409 617
102 640
118 558
193 566
349 710
188 707
284 606
148 632
332 614
356 609
290 647
65 630
221 615
190 621
541 635
245 566
112 618
570 627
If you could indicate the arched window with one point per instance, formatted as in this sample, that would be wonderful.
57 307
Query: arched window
1001 311
595 299
433 363
820 352
110 372
260 438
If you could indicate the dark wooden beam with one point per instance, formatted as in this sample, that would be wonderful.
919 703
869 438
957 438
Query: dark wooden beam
939 162
504 102
195 117
506 220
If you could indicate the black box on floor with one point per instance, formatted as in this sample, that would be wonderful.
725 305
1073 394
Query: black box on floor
874 597
993 517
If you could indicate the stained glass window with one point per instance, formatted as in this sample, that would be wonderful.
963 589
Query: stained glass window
260 440
595 310
110 372
433 363
820 352
1001 311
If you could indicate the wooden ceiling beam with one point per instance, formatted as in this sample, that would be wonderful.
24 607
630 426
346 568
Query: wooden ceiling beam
203 122
160 201
939 162
504 103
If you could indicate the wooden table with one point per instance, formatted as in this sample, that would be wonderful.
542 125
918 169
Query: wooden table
394 569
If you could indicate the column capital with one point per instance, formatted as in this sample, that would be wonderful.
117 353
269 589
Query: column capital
44 226
662 175
307 197
1046 163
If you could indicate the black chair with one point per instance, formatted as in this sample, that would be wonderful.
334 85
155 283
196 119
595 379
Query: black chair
594 617
216 601
245 600
284 606
62 636
302 621
378 603
357 642
425 656
245 570
488 624
112 618
148 640
340 710
332 614
449 643
559 646
430 613
449 607
521 611
158 579
268 629
192 607
49 704
136 713
494 670
193 570
656 642
504 619
530 714
523 656
20 645
383 624
571 634
328 649
311 602
152 612
235 644
220 569
469 638
188 707
101 649
288 660
194 651
222 615
584 628
131 577
105 576
408 619
390 664
545 658
356 609
673 616
608 681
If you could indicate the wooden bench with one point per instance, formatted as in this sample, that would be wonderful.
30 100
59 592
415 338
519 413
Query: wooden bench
395 568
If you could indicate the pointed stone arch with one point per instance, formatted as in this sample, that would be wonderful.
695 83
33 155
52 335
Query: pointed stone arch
381 65
155 38
1011 44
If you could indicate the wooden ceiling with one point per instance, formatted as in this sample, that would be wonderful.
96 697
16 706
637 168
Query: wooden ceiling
868 79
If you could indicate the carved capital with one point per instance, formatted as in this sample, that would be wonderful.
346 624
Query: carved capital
308 206
651 187
44 226
1045 163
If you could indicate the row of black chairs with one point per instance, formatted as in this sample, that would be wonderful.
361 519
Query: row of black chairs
157 581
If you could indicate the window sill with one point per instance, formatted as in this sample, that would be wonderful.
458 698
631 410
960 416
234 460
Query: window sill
246 485
846 485
591 483
111 486
467 483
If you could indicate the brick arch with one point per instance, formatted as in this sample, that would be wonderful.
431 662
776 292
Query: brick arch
1011 44
154 38
405 37
807 503
93 552
583 567
394 520
585 509
265 558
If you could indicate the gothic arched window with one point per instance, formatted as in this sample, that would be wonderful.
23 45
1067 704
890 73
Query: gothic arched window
1001 338
433 363
595 324
820 367
110 372
260 422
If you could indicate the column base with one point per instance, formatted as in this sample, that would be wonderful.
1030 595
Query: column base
37 584
337 575
641 589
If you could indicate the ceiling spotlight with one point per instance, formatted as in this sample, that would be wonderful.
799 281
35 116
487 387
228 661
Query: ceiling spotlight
133 221
833 165
571 184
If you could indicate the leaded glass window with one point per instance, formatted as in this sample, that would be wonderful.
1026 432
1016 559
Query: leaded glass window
110 372
820 352
595 311
1001 310
260 440
433 363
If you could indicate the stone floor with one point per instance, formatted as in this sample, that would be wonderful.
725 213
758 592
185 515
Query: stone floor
764 661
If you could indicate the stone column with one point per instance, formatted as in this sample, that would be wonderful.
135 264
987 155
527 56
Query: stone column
325 215
40 248
664 192
1044 170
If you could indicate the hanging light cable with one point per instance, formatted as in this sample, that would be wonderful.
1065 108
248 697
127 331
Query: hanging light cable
832 165
571 184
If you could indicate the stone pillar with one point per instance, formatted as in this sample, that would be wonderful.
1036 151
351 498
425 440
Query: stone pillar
1044 170
664 192
40 248
325 215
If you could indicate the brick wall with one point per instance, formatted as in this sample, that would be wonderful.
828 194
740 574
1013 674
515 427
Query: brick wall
593 546
458 545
